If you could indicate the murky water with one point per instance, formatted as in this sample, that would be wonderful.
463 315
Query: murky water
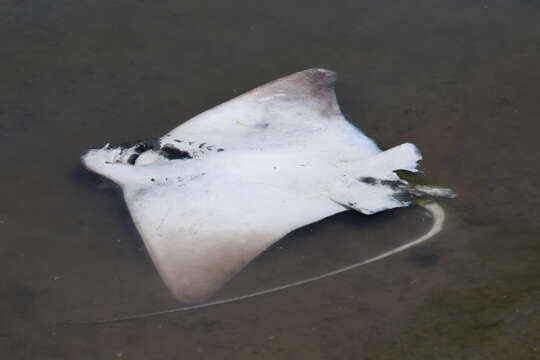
461 79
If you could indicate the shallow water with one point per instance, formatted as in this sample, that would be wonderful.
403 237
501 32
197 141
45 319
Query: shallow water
460 79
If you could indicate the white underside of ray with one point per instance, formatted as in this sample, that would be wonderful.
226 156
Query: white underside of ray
257 167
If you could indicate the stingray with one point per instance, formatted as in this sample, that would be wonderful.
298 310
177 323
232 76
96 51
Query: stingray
222 187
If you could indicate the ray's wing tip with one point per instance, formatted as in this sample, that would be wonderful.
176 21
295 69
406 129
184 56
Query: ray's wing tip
315 87
195 293
320 76
93 158
190 299
319 71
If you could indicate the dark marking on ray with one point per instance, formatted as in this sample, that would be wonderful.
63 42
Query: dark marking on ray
393 184
220 150
132 159
170 152
142 146
201 145
368 180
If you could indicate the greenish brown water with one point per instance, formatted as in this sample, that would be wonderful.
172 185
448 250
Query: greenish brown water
461 79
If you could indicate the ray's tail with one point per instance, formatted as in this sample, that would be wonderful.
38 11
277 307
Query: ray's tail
436 211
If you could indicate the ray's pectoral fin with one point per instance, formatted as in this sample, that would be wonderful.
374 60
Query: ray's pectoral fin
194 261
195 274
108 162
287 157
201 234
373 186
377 187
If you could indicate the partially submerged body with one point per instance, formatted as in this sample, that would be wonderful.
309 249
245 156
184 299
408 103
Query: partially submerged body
219 189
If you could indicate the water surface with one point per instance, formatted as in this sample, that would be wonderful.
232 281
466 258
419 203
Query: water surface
460 79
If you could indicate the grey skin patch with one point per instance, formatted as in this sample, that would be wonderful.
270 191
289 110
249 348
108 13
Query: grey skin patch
313 86
262 125
321 83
